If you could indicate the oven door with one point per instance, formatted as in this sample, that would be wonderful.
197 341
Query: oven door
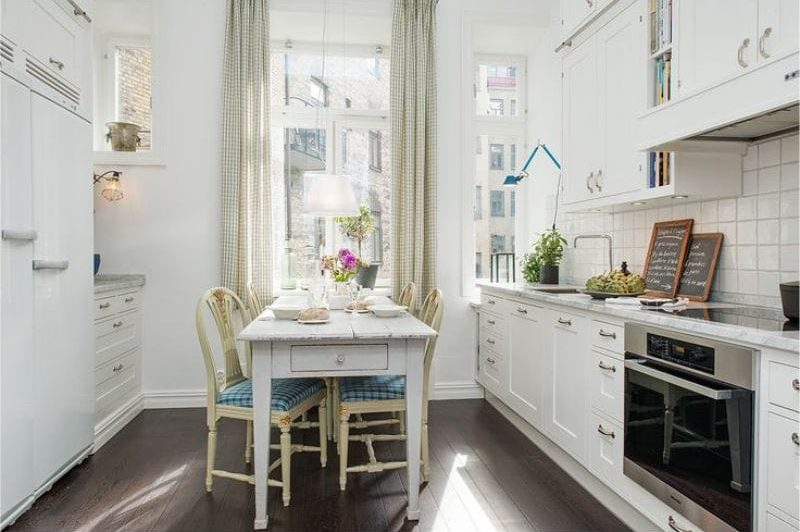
689 441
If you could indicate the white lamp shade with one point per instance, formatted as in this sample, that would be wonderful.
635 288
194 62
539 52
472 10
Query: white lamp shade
329 195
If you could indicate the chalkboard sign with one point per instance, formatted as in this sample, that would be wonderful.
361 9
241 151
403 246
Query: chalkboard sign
700 266
665 257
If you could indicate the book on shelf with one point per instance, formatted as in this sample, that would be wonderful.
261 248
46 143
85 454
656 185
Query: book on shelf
660 18
658 169
663 78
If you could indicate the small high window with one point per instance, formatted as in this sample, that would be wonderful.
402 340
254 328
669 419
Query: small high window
497 203
496 156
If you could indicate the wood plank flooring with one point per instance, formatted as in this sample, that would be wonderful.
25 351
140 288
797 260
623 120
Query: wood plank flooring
485 476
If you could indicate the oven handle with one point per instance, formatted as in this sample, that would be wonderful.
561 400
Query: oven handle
711 393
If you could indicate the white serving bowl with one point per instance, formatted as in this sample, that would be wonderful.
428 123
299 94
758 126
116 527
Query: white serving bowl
286 312
387 311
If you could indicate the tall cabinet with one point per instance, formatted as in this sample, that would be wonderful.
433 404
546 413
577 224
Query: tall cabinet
46 351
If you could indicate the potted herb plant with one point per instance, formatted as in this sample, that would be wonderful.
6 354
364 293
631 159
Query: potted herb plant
359 228
541 264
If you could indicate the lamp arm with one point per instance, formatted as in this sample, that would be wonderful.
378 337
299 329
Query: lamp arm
530 158
552 158
99 177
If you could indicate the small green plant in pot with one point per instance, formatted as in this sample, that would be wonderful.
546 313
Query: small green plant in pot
359 228
541 264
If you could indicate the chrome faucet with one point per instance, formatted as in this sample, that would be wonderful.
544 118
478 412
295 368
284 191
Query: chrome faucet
603 236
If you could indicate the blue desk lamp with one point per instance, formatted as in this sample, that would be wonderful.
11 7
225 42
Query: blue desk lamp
513 180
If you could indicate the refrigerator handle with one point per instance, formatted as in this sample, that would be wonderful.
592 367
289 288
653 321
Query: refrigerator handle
28 235
39 264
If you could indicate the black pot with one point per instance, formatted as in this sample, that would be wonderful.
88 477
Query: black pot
548 275
367 275
789 299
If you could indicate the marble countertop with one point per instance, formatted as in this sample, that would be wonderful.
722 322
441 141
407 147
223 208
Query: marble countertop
342 326
784 340
111 281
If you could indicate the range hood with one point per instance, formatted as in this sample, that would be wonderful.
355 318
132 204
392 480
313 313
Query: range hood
751 106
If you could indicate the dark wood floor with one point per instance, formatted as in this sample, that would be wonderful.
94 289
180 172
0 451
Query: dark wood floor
485 476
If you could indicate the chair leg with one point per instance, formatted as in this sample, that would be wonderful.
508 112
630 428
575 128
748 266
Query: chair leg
248 449
401 416
334 412
286 463
426 461
323 432
212 450
329 406
344 435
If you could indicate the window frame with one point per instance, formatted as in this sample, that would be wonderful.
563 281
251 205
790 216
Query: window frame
492 166
493 199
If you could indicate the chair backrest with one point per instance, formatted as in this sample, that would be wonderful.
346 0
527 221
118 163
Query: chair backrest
431 314
408 296
224 306
254 302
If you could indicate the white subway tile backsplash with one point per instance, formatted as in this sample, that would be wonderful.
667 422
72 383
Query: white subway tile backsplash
768 258
665 214
768 232
769 179
750 183
789 206
789 149
790 177
639 220
726 210
750 159
679 211
747 257
728 229
748 282
769 153
790 231
768 284
708 212
768 206
727 281
746 208
790 256
746 233
727 257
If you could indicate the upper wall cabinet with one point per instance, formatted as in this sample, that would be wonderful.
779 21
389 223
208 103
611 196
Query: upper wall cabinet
574 13
777 27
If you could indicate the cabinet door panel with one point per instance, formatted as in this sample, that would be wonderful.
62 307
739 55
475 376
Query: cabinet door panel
711 33
621 55
580 119
526 365
783 462
777 27
573 12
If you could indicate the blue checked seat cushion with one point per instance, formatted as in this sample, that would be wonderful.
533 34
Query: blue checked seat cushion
373 388
286 393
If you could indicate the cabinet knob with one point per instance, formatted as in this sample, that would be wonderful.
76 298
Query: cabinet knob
608 334
491 361
491 301
740 53
562 321
129 299
490 341
795 438
105 305
117 368
606 367
491 322
56 63
796 384
762 42
588 182
597 183
117 324
605 432
589 3
340 360
674 525
522 310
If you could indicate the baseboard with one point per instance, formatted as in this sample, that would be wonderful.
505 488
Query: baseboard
457 390
174 399
114 422
621 508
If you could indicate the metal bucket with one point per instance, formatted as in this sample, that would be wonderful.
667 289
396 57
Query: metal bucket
123 136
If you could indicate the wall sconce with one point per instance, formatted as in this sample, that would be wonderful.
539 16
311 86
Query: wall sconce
112 188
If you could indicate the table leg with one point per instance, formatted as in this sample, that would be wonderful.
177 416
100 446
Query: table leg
414 381
262 392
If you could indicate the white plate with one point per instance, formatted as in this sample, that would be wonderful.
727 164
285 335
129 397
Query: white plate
387 311
313 322
357 311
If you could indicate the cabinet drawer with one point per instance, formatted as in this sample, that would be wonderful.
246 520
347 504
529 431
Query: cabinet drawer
492 342
105 306
607 380
54 38
491 375
119 370
774 524
605 444
783 462
128 301
608 336
114 392
493 324
339 357
524 311
784 385
115 336
490 303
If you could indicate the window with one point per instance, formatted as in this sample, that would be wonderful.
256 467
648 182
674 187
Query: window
375 151
498 243
374 67
377 237
497 203
512 202
496 106
496 156
318 91
513 107
512 156
478 265
344 146
478 208
497 89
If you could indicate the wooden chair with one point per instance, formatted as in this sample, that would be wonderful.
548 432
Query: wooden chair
408 296
233 396
254 303
385 393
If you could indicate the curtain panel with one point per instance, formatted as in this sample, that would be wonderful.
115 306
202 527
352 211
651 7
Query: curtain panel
414 149
246 234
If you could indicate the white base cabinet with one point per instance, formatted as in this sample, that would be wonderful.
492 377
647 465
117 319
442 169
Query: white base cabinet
527 367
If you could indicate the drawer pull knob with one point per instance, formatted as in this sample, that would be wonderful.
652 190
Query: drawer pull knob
117 324
606 367
490 341
129 299
796 384
674 525
491 322
562 321
105 305
340 360
491 361
491 301
117 368
795 438
604 432
608 334
522 310
56 63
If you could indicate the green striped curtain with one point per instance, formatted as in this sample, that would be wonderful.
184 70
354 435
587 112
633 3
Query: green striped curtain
414 149
246 235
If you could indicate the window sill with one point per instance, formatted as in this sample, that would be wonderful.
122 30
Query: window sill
127 158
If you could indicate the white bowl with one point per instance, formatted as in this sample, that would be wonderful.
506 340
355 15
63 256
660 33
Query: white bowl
387 311
286 312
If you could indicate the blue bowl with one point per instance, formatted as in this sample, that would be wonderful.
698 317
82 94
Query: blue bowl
96 263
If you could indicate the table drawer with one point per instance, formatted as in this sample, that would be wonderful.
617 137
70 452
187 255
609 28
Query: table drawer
784 385
339 357
115 336
608 336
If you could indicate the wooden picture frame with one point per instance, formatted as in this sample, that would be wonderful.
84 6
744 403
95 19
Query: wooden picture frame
655 238
710 266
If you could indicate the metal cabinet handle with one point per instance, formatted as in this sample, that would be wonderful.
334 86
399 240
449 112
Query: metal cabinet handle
491 301
19 234
340 360
604 432
740 53
76 9
562 321
129 299
490 341
796 384
491 361
117 368
606 367
597 184
39 264
105 305
589 3
56 63
491 322
607 334
117 324
522 310
674 525
762 41
588 182
795 438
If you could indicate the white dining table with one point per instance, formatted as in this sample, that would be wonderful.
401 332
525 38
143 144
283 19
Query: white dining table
349 344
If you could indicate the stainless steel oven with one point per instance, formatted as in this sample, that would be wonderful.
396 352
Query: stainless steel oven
689 425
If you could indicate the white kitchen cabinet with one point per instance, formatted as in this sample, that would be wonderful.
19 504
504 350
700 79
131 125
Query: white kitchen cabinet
492 340
526 362
574 13
607 384
783 464
605 441
581 126
567 402
777 28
